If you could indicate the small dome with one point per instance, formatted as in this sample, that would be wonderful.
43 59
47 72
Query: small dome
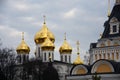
48 45
78 61
65 48
23 47
42 34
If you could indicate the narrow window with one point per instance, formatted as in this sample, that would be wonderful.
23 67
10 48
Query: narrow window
69 59
52 56
108 56
19 58
38 51
104 56
45 56
108 42
95 56
61 58
117 56
114 28
24 58
100 56
65 58
112 56
49 57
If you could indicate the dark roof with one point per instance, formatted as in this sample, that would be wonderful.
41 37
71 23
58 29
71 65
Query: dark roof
115 13
56 61
93 45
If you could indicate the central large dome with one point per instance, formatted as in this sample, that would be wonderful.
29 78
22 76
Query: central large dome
42 34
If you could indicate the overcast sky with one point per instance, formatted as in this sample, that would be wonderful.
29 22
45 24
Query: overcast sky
81 20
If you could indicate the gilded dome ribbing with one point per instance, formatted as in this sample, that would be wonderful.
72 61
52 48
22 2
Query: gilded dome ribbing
23 47
48 45
65 48
42 34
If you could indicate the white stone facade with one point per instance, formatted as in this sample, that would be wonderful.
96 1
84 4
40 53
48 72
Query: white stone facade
110 52
65 57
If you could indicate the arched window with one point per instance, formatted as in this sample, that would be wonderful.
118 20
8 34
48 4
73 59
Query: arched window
114 26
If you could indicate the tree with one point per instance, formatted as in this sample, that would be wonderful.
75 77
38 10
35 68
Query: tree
2 76
7 62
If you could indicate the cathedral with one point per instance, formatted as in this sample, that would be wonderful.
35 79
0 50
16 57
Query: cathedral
101 63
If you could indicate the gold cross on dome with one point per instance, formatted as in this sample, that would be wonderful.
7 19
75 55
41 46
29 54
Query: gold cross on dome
78 47
65 35
22 35
44 18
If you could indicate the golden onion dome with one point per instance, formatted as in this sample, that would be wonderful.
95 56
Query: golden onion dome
78 61
65 48
48 45
51 36
23 47
42 34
